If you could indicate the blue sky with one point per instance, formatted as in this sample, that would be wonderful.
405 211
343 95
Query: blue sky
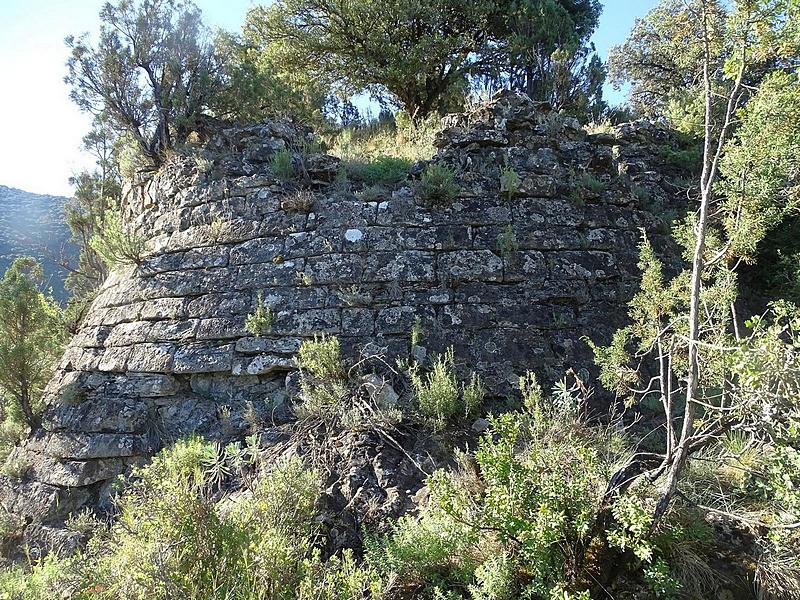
42 130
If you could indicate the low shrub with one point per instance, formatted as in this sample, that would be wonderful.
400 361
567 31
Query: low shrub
381 170
118 243
510 182
261 321
282 165
440 398
438 185
301 201
514 521
323 379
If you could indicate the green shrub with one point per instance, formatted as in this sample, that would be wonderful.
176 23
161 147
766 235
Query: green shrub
323 381
373 193
509 182
321 357
118 243
438 185
261 321
515 523
440 398
590 183
686 160
282 165
385 170
507 243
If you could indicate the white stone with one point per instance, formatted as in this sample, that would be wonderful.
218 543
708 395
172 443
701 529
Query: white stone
353 235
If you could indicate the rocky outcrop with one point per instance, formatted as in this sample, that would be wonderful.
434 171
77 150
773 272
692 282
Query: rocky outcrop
512 279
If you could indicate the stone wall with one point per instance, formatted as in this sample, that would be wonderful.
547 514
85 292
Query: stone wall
511 283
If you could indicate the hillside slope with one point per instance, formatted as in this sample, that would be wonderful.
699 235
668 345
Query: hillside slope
33 224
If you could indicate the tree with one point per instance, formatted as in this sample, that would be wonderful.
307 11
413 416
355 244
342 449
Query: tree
152 71
254 86
414 50
542 48
30 338
95 192
665 55
712 380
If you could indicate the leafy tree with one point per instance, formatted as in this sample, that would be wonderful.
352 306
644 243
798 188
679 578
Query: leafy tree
152 71
95 192
416 51
255 86
666 53
688 326
541 47
30 339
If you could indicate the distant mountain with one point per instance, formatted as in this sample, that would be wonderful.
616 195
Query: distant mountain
34 225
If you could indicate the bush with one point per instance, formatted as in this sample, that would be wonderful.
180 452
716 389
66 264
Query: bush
438 184
282 165
323 379
373 193
301 201
385 170
260 322
515 522
440 398
177 537
509 182
117 243
322 357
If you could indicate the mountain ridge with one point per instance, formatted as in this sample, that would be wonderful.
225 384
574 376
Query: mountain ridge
34 225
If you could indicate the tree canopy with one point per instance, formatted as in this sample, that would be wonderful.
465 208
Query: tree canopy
424 56
30 338
152 71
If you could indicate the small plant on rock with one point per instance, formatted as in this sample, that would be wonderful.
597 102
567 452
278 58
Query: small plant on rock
509 182
372 193
324 382
507 243
282 165
301 201
261 321
440 397
438 184
118 243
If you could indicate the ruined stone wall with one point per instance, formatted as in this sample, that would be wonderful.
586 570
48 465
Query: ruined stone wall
164 352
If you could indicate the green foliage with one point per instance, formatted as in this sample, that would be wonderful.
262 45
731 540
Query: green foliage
590 183
372 193
282 164
177 537
152 72
660 580
687 160
324 382
632 529
31 337
416 52
760 167
509 182
438 185
440 398
254 86
383 170
321 357
511 525
507 243
261 321
388 136
118 243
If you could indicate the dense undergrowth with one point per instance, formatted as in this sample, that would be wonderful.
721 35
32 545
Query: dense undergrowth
524 513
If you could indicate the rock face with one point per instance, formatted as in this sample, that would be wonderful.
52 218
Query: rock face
511 279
